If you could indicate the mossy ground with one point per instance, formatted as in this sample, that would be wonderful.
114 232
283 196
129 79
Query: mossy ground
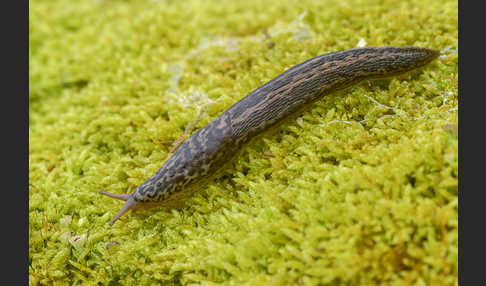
360 190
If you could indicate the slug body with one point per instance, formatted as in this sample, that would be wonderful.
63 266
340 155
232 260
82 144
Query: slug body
212 146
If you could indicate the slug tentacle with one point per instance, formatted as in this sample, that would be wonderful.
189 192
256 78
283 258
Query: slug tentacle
129 205
197 160
122 197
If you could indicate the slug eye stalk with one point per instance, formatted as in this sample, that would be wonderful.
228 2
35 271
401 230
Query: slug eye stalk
129 205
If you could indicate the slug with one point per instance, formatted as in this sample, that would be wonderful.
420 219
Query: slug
209 148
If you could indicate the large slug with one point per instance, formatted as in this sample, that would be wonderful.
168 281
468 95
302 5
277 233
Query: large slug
209 148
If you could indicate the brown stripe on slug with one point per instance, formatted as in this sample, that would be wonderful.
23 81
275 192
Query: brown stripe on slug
201 157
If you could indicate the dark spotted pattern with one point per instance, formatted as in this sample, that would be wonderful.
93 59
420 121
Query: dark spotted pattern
203 154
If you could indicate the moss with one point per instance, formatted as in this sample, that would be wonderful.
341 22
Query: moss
361 189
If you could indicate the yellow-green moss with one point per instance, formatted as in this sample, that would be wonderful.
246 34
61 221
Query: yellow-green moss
360 190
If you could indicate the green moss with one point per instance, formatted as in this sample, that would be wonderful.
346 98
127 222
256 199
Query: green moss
360 190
